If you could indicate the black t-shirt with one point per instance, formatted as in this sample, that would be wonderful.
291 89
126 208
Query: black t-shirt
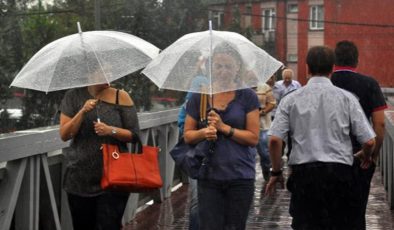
84 159
365 88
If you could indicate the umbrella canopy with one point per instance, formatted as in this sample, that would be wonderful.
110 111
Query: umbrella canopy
194 55
85 58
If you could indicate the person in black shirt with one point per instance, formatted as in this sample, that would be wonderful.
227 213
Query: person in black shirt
372 101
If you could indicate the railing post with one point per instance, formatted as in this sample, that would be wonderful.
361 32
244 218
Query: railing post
168 136
390 172
9 190
66 221
388 158
28 206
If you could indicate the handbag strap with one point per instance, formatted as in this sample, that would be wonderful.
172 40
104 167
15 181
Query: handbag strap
117 97
137 143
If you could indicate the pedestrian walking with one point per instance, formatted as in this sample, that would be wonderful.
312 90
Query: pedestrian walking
320 118
267 104
372 101
225 192
286 86
92 207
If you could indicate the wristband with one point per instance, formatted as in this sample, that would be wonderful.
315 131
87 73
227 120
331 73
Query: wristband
230 133
276 173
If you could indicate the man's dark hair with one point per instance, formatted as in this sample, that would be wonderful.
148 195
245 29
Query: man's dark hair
320 60
346 54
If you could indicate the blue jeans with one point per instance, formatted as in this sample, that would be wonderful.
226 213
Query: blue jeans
224 205
262 150
193 216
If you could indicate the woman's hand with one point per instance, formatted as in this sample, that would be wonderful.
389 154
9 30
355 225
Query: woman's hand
69 126
210 133
102 129
89 105
215 120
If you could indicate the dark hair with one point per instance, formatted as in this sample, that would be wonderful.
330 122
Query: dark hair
320 60
346 54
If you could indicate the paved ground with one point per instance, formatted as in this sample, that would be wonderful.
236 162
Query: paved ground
266 212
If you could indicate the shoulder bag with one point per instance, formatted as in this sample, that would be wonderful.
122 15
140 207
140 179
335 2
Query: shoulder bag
135 171
130 171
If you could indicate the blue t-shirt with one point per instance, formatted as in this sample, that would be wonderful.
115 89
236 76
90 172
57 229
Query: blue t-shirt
230 160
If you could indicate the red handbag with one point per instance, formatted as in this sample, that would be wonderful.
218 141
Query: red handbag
131 172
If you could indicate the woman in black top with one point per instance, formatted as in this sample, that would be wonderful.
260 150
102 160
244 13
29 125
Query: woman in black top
89 117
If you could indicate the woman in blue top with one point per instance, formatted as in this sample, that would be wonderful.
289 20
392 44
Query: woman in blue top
225 192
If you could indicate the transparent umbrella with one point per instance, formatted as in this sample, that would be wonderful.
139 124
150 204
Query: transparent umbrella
85 58
194 55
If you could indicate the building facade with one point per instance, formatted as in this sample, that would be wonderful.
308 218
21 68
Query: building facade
287 28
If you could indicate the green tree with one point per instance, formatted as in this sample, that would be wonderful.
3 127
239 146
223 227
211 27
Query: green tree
11 55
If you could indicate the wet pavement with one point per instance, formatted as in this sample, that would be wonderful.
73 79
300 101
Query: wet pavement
265 213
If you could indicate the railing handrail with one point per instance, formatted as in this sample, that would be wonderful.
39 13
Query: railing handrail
25 143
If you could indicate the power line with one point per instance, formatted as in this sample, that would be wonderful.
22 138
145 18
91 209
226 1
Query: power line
65 11
309 20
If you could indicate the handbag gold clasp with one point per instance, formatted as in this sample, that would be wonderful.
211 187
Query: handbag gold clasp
115 155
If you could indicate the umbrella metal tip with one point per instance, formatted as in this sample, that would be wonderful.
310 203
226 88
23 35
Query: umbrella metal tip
79 27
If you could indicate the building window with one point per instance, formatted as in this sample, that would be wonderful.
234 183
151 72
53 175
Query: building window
248 9
217 20
269 19
235 8
292 8
292 58
316 17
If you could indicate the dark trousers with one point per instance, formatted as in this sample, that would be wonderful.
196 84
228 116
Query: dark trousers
224 205
363 184
322 197
102 212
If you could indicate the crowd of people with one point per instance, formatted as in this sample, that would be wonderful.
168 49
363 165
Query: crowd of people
332 148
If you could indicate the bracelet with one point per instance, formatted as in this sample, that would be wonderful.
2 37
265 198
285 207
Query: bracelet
230 133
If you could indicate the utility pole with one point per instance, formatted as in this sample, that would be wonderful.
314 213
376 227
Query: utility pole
97 14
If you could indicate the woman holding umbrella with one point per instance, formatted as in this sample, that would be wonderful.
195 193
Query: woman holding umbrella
226 191
90 116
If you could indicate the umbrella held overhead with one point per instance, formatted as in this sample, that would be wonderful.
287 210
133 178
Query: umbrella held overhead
83 59
191 55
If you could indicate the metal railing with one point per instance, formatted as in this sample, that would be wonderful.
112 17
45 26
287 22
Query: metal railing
386 161
31 195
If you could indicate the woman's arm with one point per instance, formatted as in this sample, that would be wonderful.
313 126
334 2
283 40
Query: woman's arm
249 136
70 126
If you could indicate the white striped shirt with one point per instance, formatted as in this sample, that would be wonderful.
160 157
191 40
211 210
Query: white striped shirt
320 117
